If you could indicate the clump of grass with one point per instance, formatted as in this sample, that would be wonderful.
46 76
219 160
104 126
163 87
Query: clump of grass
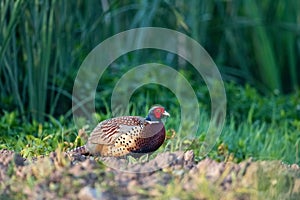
260 127
248 133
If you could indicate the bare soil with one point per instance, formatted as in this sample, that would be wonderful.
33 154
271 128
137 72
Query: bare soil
168 176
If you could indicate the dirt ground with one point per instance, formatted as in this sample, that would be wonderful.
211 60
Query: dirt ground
168 176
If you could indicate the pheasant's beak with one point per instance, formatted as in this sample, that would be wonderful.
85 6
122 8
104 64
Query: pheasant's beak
165 113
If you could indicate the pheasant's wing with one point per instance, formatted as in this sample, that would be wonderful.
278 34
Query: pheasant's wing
109 130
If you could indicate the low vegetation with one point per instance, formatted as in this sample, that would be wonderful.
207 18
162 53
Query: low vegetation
257 129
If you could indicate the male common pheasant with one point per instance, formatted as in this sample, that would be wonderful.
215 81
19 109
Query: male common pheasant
128 134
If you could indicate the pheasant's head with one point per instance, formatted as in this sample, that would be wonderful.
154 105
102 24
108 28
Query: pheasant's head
156 113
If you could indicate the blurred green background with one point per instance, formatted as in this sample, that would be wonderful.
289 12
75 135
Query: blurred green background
43 43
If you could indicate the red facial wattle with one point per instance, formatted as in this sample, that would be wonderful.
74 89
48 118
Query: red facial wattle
158 113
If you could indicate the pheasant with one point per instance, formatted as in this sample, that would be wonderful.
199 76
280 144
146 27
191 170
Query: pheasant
120 136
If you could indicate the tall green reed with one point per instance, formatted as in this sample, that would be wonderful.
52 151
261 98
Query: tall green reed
41 46
8 43
42 43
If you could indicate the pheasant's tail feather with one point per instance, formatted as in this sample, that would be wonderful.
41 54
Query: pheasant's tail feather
82 150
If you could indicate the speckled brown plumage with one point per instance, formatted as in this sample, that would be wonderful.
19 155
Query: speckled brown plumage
128 134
